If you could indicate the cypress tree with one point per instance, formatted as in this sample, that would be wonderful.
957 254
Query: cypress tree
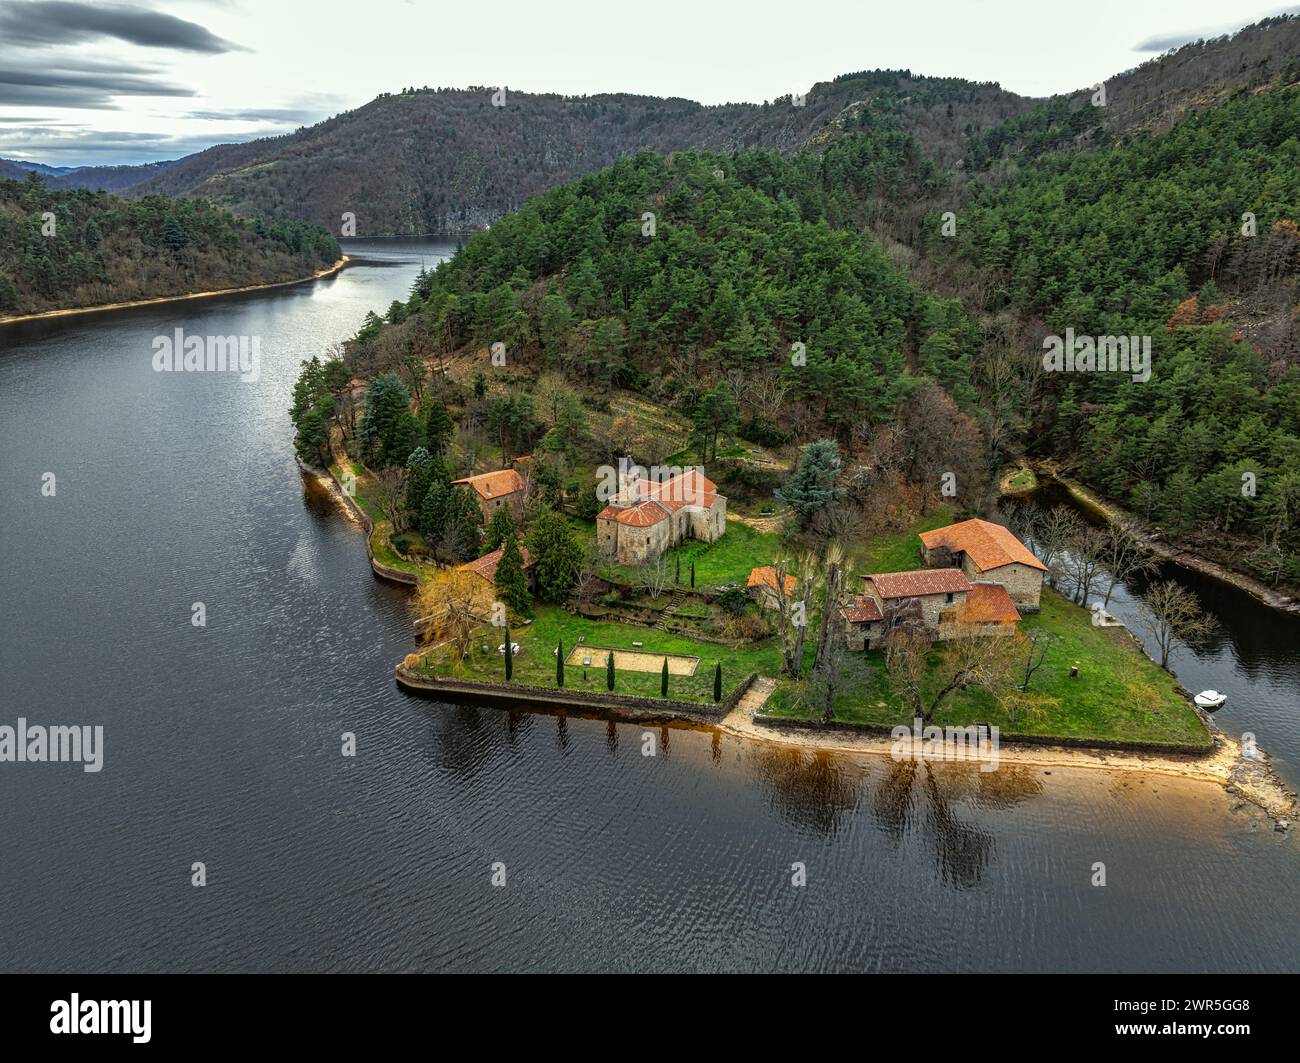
609 671
677 578
510 657
500 528
692 574
663 680
717 682
559 663
510 579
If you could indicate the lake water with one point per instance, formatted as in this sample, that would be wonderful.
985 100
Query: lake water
223 744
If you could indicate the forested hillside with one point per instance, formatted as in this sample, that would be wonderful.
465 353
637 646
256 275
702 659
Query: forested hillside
444 160
99 249
1190 238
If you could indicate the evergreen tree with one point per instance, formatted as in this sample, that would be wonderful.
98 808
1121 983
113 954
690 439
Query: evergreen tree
559 663
609 671
500 529
433 512
510 656
462 522
511 581
692 573
388 431
812 487
717 683
663 680
419 471
556 556
438 428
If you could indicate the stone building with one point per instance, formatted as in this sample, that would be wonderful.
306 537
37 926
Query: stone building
762 586
941 602
647 516
505 487
988 552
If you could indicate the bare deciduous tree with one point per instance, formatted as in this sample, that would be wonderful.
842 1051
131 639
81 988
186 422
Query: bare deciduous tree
1122 558
962 663
1174 617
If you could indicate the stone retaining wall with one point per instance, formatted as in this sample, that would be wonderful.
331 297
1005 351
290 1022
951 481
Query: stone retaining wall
385 572
617 706
884 730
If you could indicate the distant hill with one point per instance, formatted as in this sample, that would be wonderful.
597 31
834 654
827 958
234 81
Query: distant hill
1149 98
447 160
106 250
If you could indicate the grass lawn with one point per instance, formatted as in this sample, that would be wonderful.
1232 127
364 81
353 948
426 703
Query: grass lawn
728 560
895 551
1120 695
380 545
535 665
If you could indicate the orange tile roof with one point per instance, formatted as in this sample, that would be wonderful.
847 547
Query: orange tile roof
988 603
862 610
987 544
486 566
494 484
639 516
662 498
921 582
765 576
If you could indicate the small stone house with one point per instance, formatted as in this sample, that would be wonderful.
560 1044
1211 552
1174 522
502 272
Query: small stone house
942 601
504 487
646 517
762 586
988 552
485 567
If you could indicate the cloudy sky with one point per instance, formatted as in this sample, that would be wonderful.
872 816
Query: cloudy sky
86 82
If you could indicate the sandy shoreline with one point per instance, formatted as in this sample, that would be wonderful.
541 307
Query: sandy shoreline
1249 777
175 298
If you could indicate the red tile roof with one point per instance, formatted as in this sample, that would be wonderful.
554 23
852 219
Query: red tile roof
494 484
486 566
988 603
862 610
660 499
639 516
919 583
987 544
765 576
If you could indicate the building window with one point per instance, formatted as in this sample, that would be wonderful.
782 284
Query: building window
947 598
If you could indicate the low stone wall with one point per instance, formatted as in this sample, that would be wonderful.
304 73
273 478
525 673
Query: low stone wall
615 706
385 572
880 729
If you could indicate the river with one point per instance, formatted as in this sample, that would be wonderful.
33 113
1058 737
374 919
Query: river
222 744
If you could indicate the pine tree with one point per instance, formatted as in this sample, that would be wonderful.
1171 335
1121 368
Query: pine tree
609 671
511 581
663 680
438 428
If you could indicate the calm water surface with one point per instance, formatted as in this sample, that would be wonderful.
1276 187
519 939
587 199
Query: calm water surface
222 744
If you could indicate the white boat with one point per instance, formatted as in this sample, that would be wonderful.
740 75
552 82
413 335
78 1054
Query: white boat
1210 699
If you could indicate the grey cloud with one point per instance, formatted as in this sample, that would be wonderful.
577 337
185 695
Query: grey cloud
44 22
87 84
